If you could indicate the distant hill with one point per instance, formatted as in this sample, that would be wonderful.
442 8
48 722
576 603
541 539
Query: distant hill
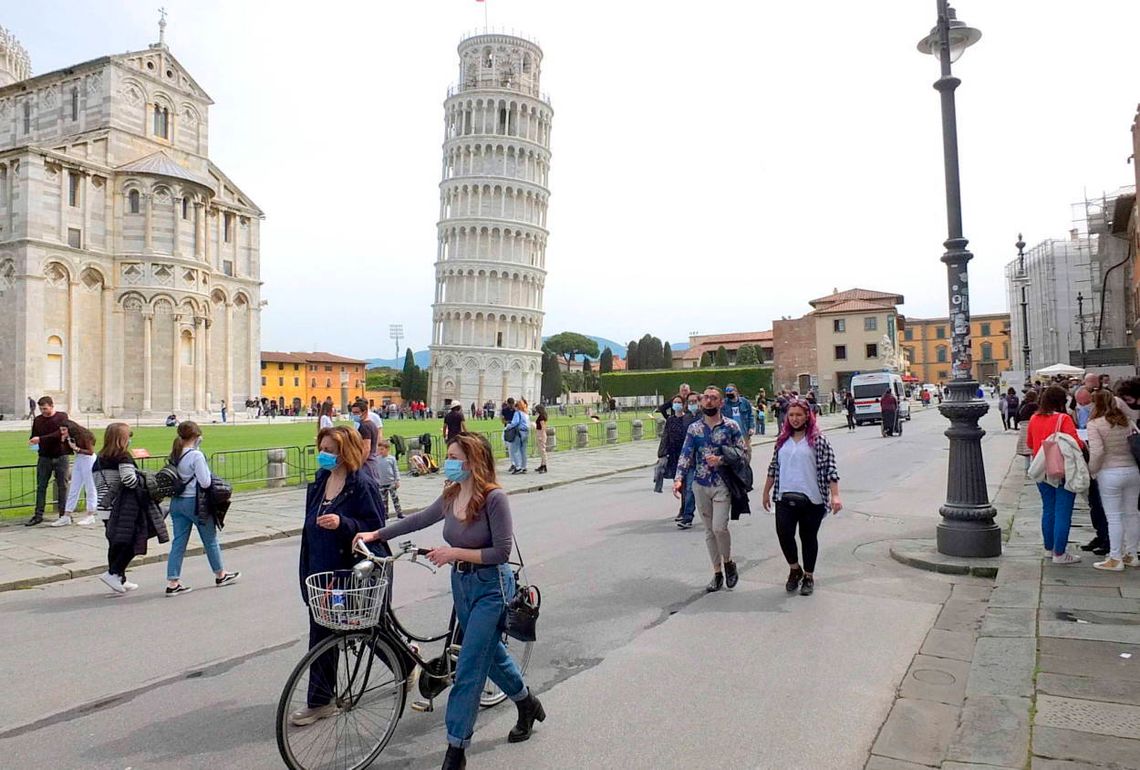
423 357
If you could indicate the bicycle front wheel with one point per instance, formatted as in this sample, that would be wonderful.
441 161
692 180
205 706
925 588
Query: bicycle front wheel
520 651
341 704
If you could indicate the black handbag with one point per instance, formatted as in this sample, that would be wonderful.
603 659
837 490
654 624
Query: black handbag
522 609
1134 446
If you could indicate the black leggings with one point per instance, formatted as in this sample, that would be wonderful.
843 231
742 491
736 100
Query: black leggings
851 420
119 556
808 517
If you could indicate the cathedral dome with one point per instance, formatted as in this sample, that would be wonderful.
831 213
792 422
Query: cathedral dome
15 64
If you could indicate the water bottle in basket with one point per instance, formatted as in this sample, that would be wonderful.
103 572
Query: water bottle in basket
337 605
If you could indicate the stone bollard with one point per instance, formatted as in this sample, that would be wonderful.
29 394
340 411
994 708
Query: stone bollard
551 439
275 468
638 430
659 425
611 432
414 443
583 436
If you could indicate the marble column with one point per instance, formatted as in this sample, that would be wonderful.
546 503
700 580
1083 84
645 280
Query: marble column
177 246
228 361
108 296
176 355
482 388
149 237
199 364
200 231
148 335
73 345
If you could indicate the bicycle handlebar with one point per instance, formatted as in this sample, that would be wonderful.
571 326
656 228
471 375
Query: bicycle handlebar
406 548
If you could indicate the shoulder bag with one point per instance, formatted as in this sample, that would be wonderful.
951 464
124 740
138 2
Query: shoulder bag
1054 458
522 609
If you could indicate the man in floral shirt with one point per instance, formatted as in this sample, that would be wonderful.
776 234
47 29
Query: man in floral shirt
701 452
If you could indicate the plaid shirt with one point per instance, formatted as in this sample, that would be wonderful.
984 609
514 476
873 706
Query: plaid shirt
701 442
825 471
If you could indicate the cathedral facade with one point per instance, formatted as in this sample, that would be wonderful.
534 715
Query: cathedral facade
129 262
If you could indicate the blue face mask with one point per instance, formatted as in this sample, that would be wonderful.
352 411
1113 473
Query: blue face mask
356 419
326 461
678 408
694 408
453 470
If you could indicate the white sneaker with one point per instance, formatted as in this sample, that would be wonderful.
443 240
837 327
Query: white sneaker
62 521
114 582
87 520
1110 565
1066 558
129 586
1130 560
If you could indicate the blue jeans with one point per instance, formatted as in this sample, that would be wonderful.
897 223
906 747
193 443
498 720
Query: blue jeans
760 420
183 517
688 499
480 605
1056 516
518 451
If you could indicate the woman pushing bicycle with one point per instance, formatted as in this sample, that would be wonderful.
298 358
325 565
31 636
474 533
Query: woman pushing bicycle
477 526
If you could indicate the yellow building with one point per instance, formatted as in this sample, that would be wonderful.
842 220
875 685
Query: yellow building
926 344
303 380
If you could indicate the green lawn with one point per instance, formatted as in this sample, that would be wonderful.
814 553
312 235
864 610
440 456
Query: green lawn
227 445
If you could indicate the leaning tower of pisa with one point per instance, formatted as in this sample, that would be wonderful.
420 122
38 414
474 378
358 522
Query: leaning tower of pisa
490 266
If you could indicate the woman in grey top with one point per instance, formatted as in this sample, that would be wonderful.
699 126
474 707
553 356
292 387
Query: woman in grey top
477 527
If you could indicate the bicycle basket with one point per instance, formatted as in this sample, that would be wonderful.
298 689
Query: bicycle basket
341 601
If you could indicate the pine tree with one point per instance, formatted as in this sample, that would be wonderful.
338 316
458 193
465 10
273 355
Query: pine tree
667 355
551 377
721 356
408 380
706 359
746 356
631 356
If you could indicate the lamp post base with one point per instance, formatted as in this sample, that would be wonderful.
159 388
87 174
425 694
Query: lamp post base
967 527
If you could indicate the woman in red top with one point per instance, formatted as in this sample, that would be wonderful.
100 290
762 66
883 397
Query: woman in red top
1056 502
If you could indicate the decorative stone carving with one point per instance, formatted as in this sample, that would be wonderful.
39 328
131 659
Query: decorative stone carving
163 274
50 98
92 280
189 277
7 274
95 84
132 273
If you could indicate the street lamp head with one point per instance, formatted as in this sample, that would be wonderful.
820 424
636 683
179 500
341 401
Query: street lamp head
962 37
1020 245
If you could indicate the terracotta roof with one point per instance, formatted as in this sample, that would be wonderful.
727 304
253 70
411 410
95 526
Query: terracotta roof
328 358
858 294
720 339
281 358
853 306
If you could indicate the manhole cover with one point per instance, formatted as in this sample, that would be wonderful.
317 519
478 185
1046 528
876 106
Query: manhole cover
54 562
1088 716
932 676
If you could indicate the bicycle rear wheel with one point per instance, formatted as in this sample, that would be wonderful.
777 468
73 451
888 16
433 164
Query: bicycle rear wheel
520 651
364 697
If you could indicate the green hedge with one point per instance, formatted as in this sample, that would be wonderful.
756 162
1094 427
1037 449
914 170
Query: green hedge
750 379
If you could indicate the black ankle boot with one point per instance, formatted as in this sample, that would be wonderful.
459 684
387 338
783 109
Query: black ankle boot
454 759
530 709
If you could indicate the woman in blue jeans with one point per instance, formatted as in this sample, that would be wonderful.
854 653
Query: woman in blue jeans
1056 501
521 422
479 532
186 514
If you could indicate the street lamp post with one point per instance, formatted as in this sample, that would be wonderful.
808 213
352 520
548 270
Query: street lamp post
967 527
1023 278
1081 326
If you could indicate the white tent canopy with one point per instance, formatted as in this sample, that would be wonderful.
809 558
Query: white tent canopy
1060 369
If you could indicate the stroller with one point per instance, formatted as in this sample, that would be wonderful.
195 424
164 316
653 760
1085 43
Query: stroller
892 424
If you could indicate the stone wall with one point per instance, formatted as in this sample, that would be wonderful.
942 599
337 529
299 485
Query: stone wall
794 349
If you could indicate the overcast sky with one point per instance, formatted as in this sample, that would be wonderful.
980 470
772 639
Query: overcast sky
715 164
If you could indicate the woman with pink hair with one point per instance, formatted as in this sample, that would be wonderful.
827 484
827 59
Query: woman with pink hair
804 481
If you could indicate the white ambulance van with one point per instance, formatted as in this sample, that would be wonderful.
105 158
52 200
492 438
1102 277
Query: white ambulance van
868 388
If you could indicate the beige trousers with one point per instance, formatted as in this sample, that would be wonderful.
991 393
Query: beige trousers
714 505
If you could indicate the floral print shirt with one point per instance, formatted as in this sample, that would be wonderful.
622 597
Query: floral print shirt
701 442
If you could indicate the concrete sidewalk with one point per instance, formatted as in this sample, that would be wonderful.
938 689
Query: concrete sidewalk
31 556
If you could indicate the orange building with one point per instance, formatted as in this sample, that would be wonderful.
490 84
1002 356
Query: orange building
303 380
283 379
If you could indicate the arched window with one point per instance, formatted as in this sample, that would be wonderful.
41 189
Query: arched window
185 207
328 383
186 348
53 370
987 351
133 201
941 353
161 121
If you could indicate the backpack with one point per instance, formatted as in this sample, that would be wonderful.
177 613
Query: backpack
430 462
1054 458
416 464
165 482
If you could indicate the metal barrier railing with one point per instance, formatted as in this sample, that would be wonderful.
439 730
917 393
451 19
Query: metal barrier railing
250 469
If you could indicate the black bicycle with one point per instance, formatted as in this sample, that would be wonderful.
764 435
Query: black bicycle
344 698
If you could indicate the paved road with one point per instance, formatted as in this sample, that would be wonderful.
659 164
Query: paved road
637 666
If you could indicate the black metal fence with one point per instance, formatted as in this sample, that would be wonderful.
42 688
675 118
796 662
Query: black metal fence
250 469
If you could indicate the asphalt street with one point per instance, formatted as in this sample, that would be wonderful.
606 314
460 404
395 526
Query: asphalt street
637 666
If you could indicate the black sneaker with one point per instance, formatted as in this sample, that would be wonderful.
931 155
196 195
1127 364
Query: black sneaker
716 583
808 586
1092 545
522 470
37 519
678 517
730 575
682 524
227 579
1100 550
794 577
178 589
